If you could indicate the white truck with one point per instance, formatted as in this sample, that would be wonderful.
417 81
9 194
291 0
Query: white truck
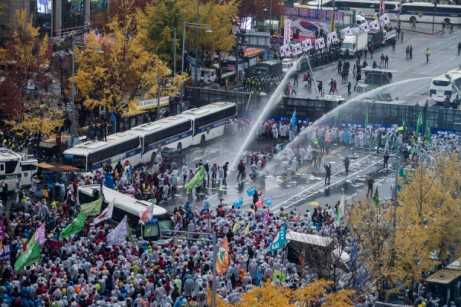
354 44
389 36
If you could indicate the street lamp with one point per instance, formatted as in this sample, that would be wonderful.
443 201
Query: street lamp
196 26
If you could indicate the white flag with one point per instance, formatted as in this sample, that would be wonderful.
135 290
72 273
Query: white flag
146 215
374 25
384 19
355 30
307 45
331 38
285 51
106 214
119 233
364 27
296 49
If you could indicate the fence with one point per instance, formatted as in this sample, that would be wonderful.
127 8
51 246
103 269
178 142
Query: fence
379 113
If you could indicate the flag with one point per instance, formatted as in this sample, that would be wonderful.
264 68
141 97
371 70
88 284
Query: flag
296 49
402 173
30 256
296 218
331 38
196 181
237 204
419 122
384 19
40 234
75 227
222 259
366 116
251 191
293 120
307 45
347 31
119 233
319 43
259 203
277 273
106 214
268 202
247 229
427 133
340 212
92 208
355 30
236 227
376 198
364 27
280 240
374 25
147 215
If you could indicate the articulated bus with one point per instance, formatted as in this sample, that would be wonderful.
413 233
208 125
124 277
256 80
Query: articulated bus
124 205
368 9
427 12
192 127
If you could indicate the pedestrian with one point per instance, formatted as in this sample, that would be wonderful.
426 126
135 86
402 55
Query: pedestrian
443 28
354 69
365 52
411 51
327 167
393 44
451 28
241 170
386 61
347 162
340 65
459 48
371 50
401 36
386 159
427 53
331 84
4 192
398 31
370 181
295 80
382 60
407 52
349 86
413 26
320 87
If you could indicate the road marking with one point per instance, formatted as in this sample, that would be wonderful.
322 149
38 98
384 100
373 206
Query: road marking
315 184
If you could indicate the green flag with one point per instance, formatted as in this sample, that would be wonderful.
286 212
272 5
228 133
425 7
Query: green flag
366 116
419 123
427 133
92 208
402 173
196 181
280 240
75 227
30 256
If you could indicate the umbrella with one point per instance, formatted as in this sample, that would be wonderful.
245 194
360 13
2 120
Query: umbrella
400 128
314 204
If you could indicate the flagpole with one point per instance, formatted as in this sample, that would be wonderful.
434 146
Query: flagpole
215 253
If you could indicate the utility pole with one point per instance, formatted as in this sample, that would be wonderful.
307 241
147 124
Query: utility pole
197 20
270 17
183 46
433 16
73 126
174 52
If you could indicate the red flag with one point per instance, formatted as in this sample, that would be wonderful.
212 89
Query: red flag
296 218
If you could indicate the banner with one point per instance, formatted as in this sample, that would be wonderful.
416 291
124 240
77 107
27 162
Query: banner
374 25
237 204
313 13
277 273
307 45
92 208
319 43
119 233
30 256
106 214
222 260
5 253
75 227
197 181
40 234
280 240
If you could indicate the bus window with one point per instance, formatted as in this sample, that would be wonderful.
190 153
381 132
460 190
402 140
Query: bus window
440 83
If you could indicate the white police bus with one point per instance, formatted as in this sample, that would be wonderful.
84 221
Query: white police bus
94 155
427 12
16 170
124 205
171 132
192 127
368 9
446 86
209 121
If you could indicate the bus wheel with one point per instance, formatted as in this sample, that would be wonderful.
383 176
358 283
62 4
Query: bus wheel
179 146
412 19
202 140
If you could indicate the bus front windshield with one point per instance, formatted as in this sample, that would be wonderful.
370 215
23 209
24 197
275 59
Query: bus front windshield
76 161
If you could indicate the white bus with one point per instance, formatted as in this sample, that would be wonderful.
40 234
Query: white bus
446 86
209 121
368 9
132 208
16 169
172 132
427 12
94 155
